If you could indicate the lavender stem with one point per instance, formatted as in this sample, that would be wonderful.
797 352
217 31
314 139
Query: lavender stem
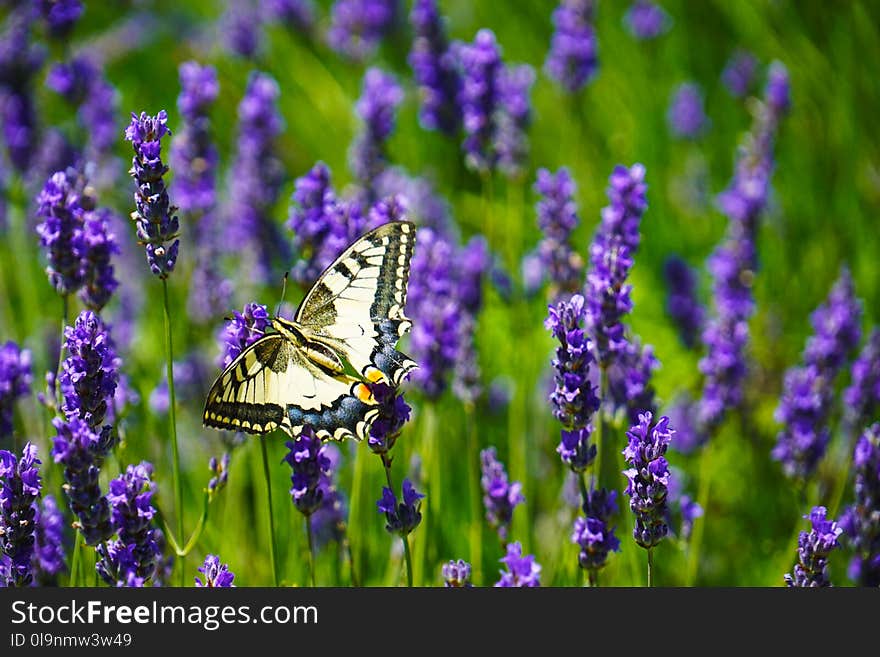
650 567
172 421
268 479
311 541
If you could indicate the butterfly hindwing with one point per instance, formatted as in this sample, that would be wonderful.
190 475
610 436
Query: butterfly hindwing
273 384
357 304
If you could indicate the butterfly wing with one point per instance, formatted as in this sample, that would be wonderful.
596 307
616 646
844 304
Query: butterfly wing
357 304
273 384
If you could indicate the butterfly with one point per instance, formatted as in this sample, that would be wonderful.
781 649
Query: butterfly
316 370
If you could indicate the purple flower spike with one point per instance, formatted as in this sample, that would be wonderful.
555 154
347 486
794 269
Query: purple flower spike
358 26
457 574
60 15
593 532
739 74
130 560
434 69
157 223
573 57
522 571
811 569
100 245
862 398
513 118
646 20
557 218
574 398
682 304
90 373
500 497
245 328
217 575
686 116
49 544
480 63
401 518
648 478
861 521
241 25
60 206
296 15
393 413
20 487
308 460
15 382
20 61
376 107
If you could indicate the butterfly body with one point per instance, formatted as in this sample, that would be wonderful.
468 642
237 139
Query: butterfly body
316 369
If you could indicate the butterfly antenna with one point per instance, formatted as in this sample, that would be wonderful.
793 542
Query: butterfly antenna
283 293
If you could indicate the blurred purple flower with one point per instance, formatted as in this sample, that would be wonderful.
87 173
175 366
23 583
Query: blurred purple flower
739 74
682 304
522 571
20 60
480 64
190 383
15 382
240 26
20 487
377 106
100 245
646 20
862 397
220 471
60 206
573 57
157 223
629 380
593 532
358 26
49 542
434 69
500 497
457 574
217 575
686 116
557 218
811 569
513 117
60 15
298 15
648 478
861 520
308 460
328 520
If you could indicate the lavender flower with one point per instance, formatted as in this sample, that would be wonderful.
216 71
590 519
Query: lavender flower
808 393
91 370
193 154
573 57
157 223
393 413
403 517
557 219
574 398
593 532
607 299
648 478
328 520
15 382
500 496
739 74
457 574
777 92
245 328
682 303
433 65
60 206
358 26
49 542
60 15
376 107
308 462
814 547
686 116
473 265
256 177
20 60
522 571
99 281
423 203
220 471
20 487
80 450
861 521
240 24
297 15
480 64
646 20
513 117
217 575
432 303
683 509
130 560
629 380
682 413
862 398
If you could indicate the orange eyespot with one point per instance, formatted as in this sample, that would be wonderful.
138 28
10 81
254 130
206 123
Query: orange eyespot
374 375
362 392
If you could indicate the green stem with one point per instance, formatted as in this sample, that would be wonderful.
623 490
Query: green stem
650 567
74 566
408 557
65 309
593 577
355 515
476 527
172 420
268 478
703 500
311 540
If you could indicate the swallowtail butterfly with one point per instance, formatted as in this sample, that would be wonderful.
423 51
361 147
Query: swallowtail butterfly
315 369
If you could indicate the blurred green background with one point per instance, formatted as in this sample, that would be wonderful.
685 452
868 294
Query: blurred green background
824 210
